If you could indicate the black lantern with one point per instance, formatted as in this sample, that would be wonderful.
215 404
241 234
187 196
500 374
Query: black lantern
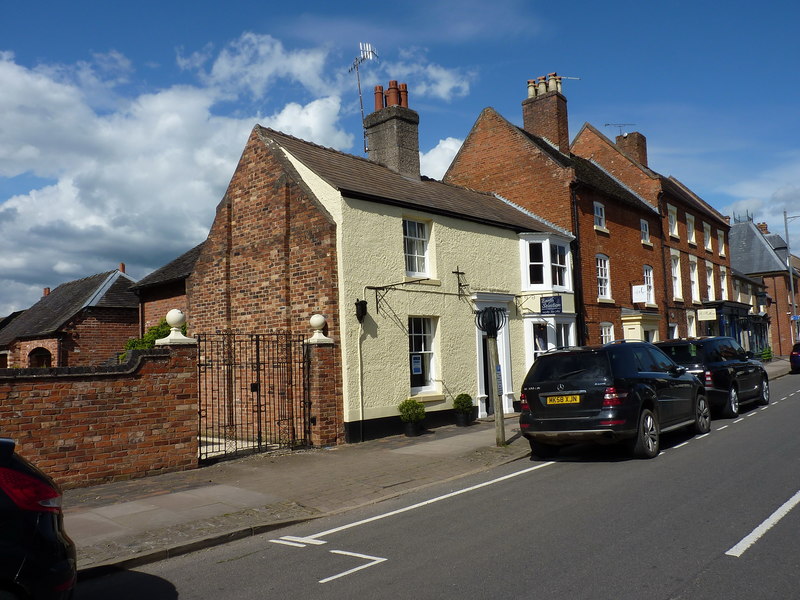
361 310
490 320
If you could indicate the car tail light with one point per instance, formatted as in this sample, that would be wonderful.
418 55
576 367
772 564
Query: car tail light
613 397
29 493
613 422
523 403
709 380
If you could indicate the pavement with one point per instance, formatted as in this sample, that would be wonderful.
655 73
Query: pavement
129 523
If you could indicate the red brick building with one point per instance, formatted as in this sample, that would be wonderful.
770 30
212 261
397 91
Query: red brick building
84 322
618 246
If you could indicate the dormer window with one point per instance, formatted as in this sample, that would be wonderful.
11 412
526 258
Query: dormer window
546 263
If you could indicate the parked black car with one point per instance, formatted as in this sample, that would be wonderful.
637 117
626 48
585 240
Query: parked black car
731 376
628 391
37 558
794 358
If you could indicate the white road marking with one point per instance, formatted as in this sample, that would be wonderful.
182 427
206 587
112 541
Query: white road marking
740 419
681 445
700 437
374 560
288 543
765 407
721 428
299 542
759 531
750 414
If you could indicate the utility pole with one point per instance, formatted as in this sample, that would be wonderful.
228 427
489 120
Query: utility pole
491 320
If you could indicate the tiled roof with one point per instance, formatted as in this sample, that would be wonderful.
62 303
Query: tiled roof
357 177
751 253
110 289
672 186
177 270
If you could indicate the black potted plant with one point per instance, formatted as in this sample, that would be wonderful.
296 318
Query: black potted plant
462 405
412 412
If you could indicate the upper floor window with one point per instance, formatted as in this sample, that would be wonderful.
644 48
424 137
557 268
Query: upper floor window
672 218
693 281
599 215
707 236
710 281
648 281
737 291
690 231
415 242
603 277
723 283
677 290
547 263
721 242
645 228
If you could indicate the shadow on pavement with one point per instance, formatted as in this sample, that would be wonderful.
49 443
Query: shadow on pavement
125 585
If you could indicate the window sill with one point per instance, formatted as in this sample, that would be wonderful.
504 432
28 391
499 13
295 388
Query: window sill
428 281
602 230
692 243
605 301
650 305
646 243
678 299
427 396
674 236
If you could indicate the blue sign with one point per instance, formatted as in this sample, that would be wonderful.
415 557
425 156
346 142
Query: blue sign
795 317
551 305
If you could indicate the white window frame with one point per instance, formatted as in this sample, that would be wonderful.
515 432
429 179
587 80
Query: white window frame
691 324
606 332
549 245
721 241
423 329
600 216
723 283
413 244
707 237
553 328
644 227
603 272
691 234
672 221
710 281
677 284
647 273
694 280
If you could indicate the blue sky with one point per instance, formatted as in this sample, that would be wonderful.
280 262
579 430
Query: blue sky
121 123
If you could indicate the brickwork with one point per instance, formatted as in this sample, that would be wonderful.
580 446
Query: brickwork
779 312
88 428
21 349
97 335
155 303
269 263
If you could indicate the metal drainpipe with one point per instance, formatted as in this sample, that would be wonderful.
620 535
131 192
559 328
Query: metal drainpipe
577 268
666 260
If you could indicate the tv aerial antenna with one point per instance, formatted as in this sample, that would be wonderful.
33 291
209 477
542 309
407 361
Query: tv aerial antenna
619 125
367 53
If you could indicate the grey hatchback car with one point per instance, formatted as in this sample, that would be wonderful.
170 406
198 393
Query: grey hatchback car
621 391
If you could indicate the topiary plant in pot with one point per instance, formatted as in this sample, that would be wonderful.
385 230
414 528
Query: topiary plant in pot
462 405
412 412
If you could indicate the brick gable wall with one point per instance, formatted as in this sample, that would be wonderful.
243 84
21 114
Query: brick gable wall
97 335
156 302
269 264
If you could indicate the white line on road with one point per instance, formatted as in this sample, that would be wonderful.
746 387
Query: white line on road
721 428
750 414
759 531
321 534
740 419
374 560
681 445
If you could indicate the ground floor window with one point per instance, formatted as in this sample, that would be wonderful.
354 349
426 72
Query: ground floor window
547 333
691 325
40 358
606 333
672 332
421 357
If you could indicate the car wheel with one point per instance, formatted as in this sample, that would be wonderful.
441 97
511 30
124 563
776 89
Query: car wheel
646 443
731 409
763 398
544 451
702 416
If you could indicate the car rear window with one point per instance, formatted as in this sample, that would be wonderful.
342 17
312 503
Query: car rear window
581 365
683 354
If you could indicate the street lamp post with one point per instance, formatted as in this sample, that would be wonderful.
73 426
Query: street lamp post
792 326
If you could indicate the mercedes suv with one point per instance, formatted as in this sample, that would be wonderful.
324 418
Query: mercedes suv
731 376
621 391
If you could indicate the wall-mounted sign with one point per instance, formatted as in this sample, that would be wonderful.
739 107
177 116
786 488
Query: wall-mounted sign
499 375
639 293
707 314
416 364
551 305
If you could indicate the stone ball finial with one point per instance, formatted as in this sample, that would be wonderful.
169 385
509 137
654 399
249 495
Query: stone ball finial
317 322
176 318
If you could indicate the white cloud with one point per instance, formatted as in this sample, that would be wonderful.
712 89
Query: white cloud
430 79
434 163
314 122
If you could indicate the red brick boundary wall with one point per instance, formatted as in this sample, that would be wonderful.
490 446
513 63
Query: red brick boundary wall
90 425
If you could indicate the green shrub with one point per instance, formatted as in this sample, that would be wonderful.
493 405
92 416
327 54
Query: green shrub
463 403
411 410
766 354
156 332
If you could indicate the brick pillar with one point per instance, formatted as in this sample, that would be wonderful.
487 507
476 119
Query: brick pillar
324 387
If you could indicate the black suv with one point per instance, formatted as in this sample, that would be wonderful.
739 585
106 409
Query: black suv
628 391
731 376
37 559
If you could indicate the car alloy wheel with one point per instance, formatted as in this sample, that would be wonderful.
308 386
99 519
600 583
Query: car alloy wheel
702 416
732 405
763 399
646 444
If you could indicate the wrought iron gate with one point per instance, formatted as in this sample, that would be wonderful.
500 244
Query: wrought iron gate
253 393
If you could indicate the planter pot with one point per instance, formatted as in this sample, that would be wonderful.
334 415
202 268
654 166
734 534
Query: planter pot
412 429
463 419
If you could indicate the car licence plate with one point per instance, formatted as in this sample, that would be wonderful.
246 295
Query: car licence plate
571 399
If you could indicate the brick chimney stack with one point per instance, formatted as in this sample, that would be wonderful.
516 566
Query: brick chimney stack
393 131
122 267
46 292
635 145
763 228
544 111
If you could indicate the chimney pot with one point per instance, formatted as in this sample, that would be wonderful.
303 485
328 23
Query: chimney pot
122 267
392 94
541 86
545 114
763 227
46 291
551 82
531 88
404 95
378 97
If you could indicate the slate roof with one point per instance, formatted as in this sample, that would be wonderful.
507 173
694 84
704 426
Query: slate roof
751 253
357 177
48 315
177 270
